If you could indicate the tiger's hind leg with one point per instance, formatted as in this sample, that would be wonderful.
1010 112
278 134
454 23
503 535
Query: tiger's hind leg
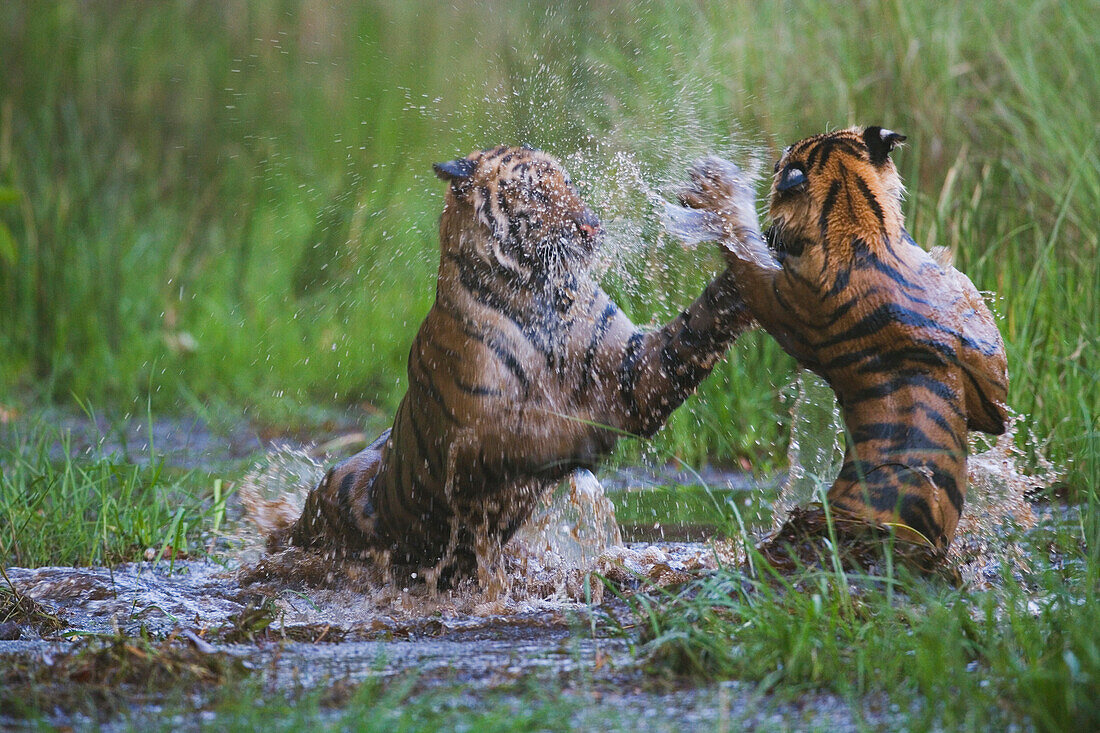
338 513
899 497
871 510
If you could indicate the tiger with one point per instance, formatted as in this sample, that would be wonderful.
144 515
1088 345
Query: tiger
523 371
905 341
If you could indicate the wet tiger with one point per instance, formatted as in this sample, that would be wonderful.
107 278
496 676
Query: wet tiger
907 344
523 371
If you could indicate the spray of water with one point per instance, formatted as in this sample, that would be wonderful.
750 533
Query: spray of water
274 489
815 450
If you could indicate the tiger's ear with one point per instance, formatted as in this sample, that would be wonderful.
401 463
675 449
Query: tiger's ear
880 142
455 170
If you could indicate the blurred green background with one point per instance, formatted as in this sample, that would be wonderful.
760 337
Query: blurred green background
231 203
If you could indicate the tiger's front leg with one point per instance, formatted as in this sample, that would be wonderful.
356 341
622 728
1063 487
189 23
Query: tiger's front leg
655 371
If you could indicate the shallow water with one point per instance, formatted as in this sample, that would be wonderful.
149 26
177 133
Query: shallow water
332 622
542 577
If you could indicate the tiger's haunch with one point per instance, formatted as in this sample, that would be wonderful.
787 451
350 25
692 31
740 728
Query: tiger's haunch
906 343
523 371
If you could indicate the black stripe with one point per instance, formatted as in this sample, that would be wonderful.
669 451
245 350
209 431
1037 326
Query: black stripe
941 423
476 389
871 200
420 377
900 437
864 258
422 447
929 353
506 357
535 324
915 512
827 208
905 380
627 372
883 315
989 407
946 481
843 278
598 335
827 147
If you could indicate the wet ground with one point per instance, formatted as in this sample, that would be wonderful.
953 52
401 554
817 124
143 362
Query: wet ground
323 638
300 635
542 627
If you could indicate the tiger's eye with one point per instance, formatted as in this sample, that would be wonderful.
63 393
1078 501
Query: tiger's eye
792 177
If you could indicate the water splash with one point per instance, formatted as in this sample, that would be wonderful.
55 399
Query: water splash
274 489
571 527
999 480
815 450
547 567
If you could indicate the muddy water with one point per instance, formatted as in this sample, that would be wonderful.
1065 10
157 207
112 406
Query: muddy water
542 580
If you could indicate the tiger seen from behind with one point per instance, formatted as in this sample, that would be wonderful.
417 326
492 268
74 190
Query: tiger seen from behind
906 343
523 372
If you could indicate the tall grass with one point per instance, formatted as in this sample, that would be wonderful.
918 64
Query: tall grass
234 200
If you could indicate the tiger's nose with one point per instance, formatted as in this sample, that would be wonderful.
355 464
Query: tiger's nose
587 224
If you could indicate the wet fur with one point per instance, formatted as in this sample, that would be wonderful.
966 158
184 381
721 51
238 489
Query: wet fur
907 344
523 371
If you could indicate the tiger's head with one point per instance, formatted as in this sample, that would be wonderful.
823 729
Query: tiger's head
832 188
521 200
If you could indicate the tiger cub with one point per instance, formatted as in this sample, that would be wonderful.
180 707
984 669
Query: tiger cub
908 346
523 371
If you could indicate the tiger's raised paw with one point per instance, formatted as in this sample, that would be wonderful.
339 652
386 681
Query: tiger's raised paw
720 186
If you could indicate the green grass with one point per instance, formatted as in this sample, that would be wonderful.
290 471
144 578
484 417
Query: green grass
57 509
955 659
398 704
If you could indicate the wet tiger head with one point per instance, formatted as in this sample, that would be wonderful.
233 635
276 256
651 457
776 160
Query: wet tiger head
522 200
832 188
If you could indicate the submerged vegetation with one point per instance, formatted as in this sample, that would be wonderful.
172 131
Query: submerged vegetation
228 209
101 676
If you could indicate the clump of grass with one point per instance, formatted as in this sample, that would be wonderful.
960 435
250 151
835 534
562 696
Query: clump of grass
251 623
952 657
65 510
102 676
17 610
